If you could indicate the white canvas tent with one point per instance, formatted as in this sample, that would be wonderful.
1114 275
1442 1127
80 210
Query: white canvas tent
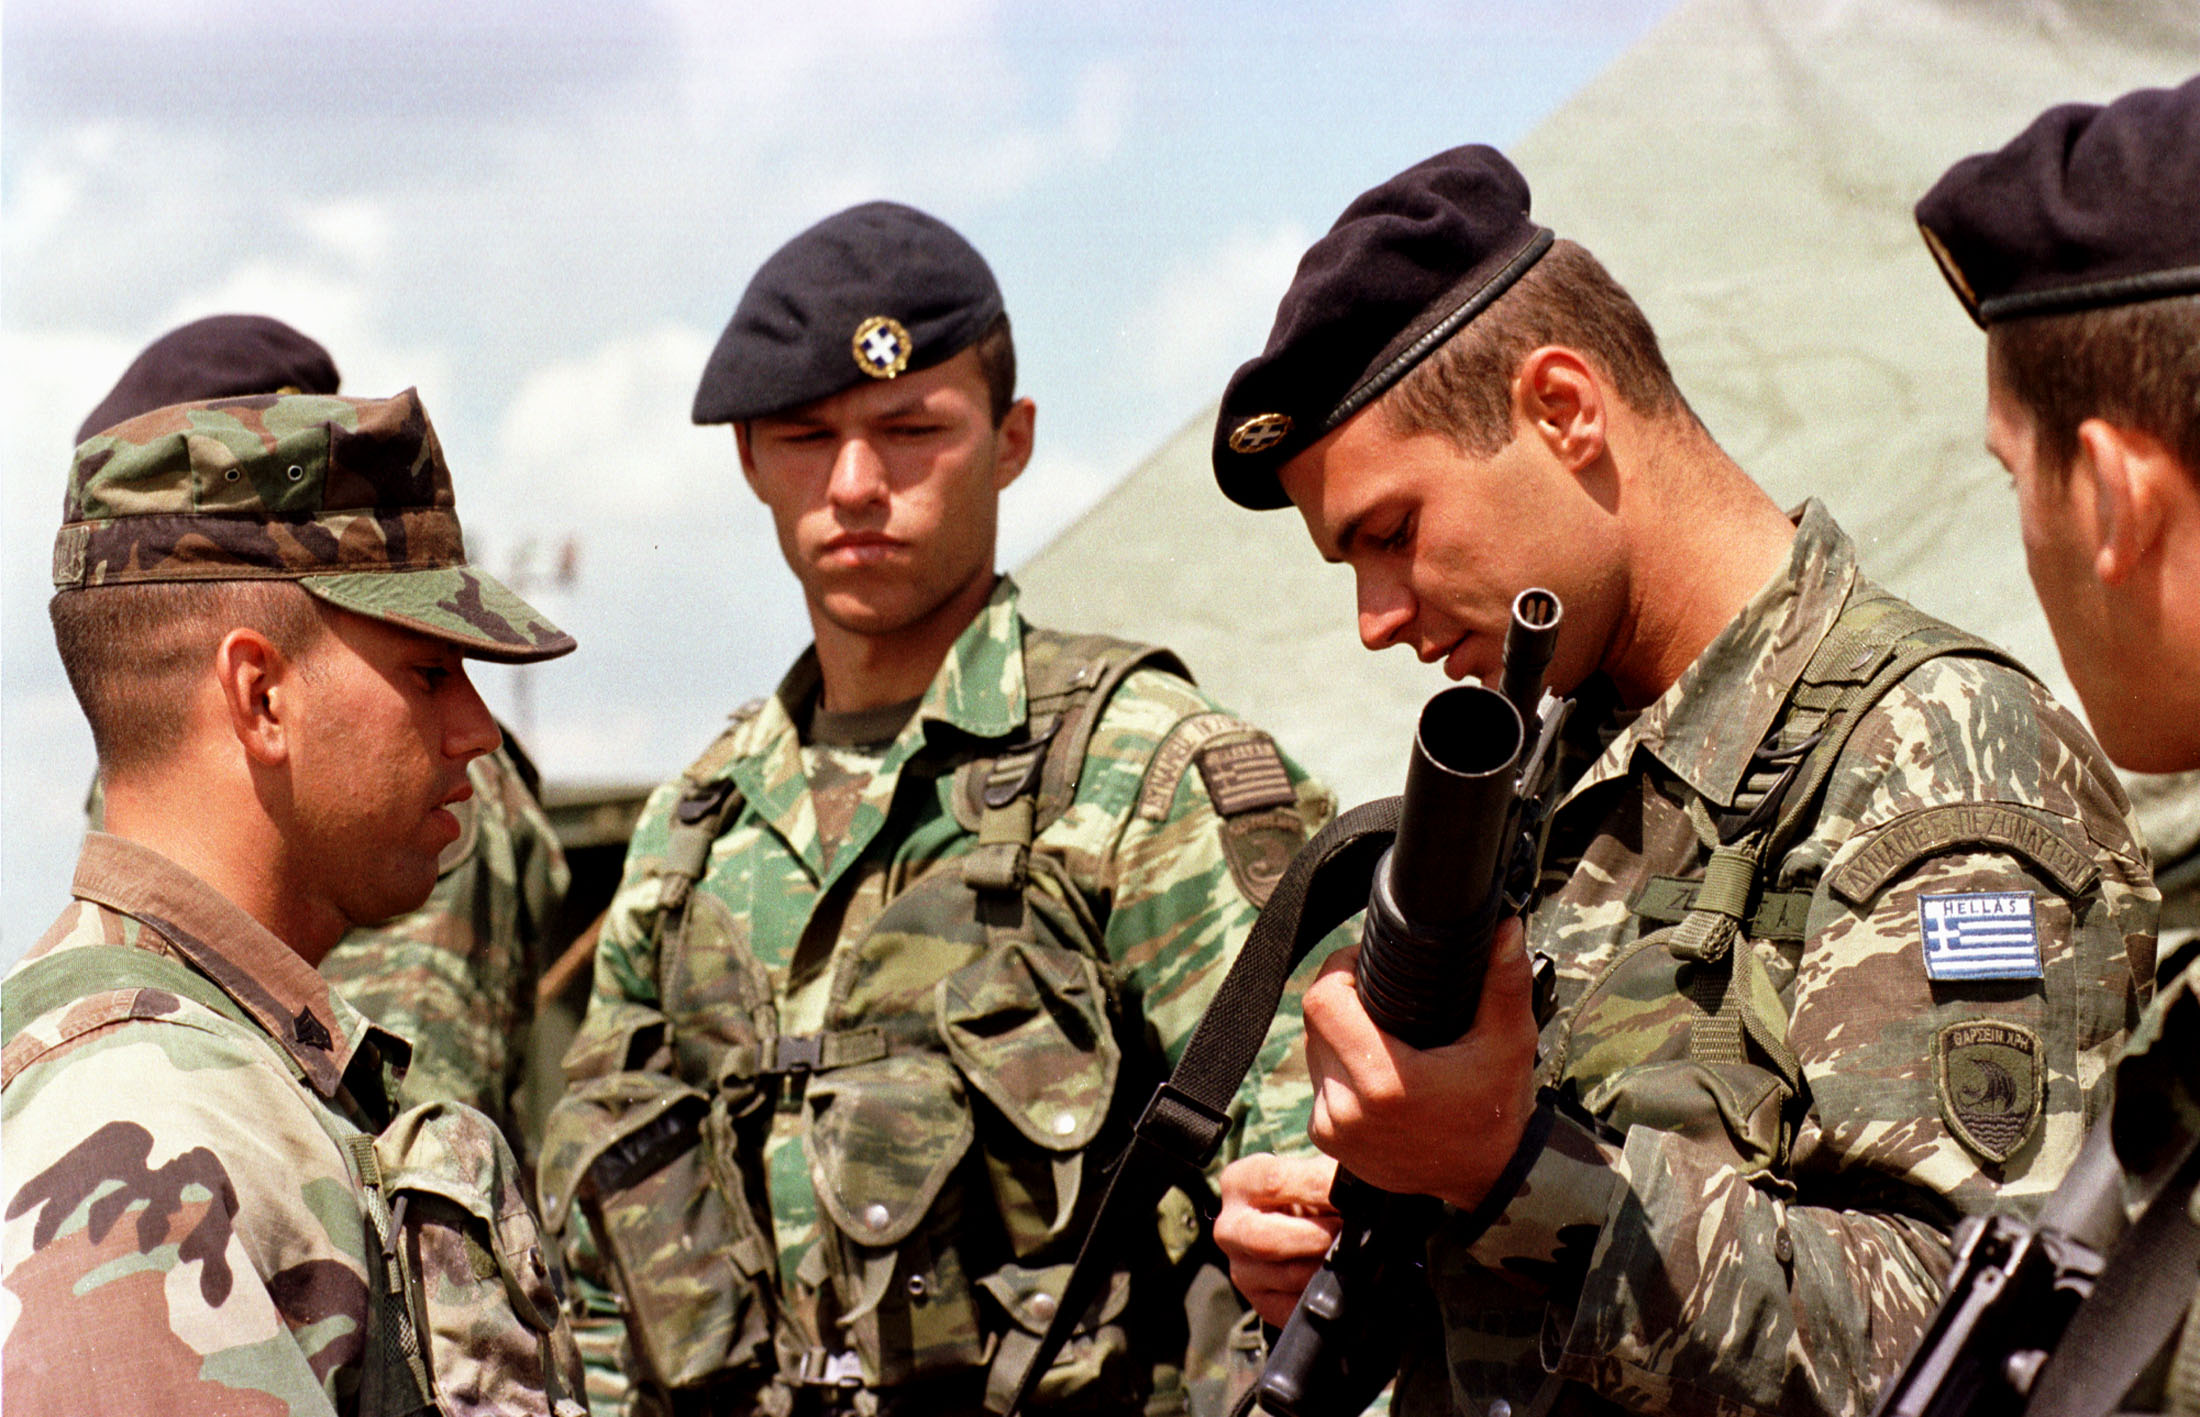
1748 172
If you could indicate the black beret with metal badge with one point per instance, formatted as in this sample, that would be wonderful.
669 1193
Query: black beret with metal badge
867 294
1408 264
2091 205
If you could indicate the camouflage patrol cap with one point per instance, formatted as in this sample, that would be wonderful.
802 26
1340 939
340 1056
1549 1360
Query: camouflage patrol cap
870 293
220 356
2091 205
348 497
1408 264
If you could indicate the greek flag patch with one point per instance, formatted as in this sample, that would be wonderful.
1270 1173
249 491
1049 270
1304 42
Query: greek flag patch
1979 935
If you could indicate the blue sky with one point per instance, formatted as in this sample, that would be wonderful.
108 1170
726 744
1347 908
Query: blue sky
541 214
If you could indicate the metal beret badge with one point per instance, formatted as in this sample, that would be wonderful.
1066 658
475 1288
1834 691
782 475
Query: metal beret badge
882 346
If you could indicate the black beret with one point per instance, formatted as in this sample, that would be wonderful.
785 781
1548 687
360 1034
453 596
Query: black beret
219 357
1407 265
2090 206
869 293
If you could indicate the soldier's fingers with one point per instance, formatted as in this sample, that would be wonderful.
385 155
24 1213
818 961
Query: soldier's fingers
1508 986
1272 1289
1265 1181
1338 1030
1274 1237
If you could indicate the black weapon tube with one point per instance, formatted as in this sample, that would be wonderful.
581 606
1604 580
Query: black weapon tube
1424 942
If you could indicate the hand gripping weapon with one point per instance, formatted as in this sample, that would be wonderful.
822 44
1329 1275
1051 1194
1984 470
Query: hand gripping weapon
1436 870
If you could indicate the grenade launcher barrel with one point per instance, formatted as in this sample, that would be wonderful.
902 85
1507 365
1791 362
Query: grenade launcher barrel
1441 888
1469 844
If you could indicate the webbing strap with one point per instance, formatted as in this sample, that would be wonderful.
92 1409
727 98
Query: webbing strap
1325 885
1874 645
1909 638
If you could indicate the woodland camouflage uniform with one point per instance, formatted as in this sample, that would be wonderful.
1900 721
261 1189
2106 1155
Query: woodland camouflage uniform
213 1201
455 978
1746 1198
905 1216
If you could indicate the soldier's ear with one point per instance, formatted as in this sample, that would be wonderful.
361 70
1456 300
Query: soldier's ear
1558 399
1012 442
741 450
259 690
2135 482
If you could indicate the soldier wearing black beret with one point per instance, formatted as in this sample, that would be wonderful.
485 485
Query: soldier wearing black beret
921 926
1783 1049
2076 247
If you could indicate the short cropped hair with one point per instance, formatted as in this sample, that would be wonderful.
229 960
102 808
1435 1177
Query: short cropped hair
2136 366
996 350
134 653
1463 390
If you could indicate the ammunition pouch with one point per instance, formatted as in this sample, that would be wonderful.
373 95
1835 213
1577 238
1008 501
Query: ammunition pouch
1631 1054
944 1165
651 1163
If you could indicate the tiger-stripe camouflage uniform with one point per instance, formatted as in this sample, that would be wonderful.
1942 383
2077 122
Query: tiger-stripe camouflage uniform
1784 1133
963 1075
456 978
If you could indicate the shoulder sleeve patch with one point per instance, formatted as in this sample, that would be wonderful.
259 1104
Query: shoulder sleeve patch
1988 1075
1245 773
1158 788
1258 846
1901 844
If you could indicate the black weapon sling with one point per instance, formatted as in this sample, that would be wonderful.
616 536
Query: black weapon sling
1876 642
1182 1128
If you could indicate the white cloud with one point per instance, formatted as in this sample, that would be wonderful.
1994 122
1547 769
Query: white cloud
610 430
1208 313
1104 94
743 65
357 230
49 186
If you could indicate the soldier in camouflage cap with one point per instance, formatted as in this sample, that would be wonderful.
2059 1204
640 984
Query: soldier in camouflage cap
2074 247
264 607
455 978
895 958
1844 918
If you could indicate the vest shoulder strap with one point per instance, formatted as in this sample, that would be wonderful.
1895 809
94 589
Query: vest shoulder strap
709 799
1012 796
1878 641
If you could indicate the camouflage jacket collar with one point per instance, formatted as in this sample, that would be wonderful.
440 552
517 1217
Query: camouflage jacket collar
978 693
1704 728
283 994
980 687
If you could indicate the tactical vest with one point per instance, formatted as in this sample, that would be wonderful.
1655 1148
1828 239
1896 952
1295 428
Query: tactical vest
1726 1071
440 1198
971 1080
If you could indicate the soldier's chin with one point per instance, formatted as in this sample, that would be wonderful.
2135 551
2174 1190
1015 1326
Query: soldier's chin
875 610
379 902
